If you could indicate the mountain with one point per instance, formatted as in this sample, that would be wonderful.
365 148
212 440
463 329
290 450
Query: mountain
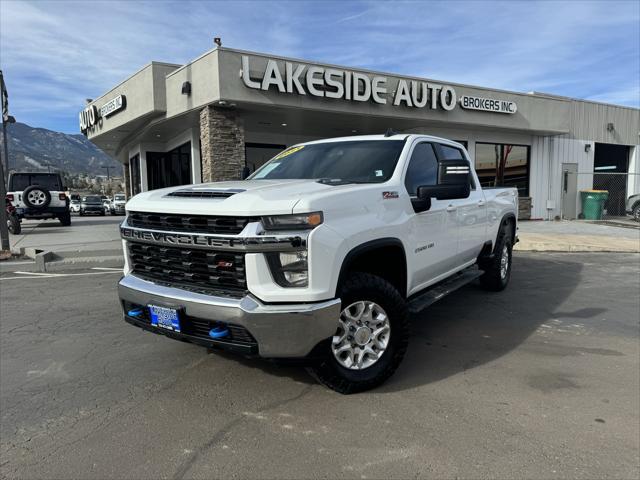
32 149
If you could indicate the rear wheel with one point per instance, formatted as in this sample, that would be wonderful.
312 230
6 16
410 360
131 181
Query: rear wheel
65 219
14 225
636 212
371 339
497 272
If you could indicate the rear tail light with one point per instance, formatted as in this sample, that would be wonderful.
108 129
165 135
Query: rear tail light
62 196
10 197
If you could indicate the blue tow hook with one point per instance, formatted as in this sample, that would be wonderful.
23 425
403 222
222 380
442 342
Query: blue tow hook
219 331
135 312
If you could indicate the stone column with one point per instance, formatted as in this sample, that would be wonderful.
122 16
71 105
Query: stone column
222 144
127 181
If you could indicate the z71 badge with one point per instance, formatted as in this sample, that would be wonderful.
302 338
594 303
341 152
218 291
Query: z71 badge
389 195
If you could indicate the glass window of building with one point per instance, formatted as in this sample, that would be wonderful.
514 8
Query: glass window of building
503 165
134 172
168 169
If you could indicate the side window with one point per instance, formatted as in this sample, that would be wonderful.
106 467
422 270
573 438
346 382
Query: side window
452 153
423 168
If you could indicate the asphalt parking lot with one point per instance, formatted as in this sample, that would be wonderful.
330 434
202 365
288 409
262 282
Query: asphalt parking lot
539 381
88 233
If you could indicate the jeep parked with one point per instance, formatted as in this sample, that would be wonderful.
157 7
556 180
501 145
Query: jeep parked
39 196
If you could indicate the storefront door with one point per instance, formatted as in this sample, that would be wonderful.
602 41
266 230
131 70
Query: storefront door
168 169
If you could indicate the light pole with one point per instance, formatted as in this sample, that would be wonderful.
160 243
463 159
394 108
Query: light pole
6 119
108 172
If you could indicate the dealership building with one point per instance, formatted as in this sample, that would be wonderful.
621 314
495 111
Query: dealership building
206 120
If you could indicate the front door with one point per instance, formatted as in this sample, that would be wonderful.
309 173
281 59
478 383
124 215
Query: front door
434 234
471 213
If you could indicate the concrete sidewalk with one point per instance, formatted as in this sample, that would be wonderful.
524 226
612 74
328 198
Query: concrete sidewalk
576 236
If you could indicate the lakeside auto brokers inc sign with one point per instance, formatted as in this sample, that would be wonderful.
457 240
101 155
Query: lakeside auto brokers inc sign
91 116
303 79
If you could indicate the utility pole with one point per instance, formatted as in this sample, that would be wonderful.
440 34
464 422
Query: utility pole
6 118
108 174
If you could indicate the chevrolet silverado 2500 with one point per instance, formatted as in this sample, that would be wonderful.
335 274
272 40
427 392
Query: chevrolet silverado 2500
320 254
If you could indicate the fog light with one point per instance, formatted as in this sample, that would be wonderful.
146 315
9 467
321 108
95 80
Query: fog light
289 269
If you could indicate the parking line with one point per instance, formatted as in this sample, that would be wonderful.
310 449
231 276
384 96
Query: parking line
34 275
114 269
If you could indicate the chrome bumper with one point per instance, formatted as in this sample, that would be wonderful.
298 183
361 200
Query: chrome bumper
281 330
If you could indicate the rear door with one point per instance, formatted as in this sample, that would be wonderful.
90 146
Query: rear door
470 213
433 236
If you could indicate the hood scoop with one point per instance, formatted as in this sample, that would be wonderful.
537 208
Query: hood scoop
205 193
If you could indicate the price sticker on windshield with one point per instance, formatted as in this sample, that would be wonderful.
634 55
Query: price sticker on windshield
288 152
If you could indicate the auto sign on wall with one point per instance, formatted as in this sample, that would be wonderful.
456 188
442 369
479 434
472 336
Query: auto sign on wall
352 86
113 106
488 104
91 117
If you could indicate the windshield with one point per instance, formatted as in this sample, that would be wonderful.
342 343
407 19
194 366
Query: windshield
20 181
92 199
365 161
118 197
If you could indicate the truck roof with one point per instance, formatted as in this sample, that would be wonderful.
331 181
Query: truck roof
383 137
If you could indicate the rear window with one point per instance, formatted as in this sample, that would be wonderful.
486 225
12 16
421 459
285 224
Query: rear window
119 197
20 181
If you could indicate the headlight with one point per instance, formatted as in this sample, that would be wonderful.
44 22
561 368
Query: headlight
289 269
302 221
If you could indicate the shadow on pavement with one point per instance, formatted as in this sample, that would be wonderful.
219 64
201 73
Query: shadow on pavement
471 327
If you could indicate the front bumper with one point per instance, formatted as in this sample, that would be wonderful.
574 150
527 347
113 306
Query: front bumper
280 330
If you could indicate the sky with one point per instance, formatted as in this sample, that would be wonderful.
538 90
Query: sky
54 54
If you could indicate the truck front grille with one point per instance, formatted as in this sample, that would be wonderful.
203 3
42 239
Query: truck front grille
192 269
188 223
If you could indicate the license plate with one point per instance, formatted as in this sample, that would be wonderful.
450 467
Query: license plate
163 317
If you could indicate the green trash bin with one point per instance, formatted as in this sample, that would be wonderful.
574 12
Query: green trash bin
593 203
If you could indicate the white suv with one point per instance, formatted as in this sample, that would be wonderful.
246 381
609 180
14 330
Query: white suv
39 195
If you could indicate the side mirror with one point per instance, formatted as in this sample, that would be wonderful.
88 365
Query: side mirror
444 192
245 172
453 182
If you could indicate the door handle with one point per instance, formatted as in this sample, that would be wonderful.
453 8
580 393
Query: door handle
451 208
481 203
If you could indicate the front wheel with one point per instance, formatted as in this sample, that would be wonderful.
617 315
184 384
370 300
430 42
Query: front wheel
371 339
14 225
636 212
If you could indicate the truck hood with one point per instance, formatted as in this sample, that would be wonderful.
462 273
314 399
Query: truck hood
242 198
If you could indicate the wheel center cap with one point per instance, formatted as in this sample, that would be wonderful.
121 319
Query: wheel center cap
362 336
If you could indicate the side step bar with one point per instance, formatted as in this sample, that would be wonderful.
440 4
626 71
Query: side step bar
442 289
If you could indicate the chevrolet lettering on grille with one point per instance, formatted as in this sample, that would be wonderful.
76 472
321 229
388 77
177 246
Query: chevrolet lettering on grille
174 238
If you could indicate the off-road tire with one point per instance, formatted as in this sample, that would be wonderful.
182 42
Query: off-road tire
635 212
492 278
14 225
360 287
65 219
28 203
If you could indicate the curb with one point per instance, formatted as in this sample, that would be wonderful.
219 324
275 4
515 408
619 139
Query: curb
570 248
47 261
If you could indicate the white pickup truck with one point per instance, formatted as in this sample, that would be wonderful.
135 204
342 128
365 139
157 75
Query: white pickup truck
319 255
